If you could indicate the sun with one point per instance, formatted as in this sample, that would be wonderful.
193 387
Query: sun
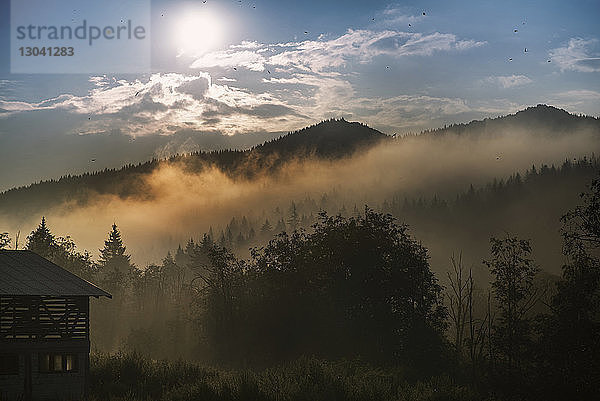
197 32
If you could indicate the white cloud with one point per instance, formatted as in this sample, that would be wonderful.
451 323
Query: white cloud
578 55
363 45
395 16
307 82
324 55
509 81
10 106
230 59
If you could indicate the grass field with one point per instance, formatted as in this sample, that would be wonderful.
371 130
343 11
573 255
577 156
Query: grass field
132 377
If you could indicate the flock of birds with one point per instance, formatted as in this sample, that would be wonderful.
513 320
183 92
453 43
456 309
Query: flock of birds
525 49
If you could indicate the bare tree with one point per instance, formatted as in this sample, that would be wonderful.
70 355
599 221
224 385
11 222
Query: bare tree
459 297
469 330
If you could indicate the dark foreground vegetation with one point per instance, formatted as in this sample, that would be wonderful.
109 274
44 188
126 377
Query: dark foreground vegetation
131 377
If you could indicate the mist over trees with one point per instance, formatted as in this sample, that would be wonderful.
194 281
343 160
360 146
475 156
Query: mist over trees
359 287
481 293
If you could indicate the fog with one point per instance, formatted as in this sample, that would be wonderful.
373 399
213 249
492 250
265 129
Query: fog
179 205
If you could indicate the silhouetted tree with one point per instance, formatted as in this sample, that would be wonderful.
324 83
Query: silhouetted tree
571 332
221 278
115 267
353 286
460 300
294 218
513 272
41 240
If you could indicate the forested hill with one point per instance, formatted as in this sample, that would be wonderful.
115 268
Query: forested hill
331 139
538 120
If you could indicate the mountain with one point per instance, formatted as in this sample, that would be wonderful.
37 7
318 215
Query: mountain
331 139
537 120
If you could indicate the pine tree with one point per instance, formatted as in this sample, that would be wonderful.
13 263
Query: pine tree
41 240
294 219
239 240
115 265
266 228
280 227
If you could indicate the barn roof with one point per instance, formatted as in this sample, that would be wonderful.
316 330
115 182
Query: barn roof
27 273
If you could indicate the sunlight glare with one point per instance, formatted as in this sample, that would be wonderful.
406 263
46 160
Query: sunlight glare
197 32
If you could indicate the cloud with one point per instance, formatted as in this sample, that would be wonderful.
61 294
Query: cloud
509 81
364 45
285 86
249 59
324 55
578 55
394 16
197 87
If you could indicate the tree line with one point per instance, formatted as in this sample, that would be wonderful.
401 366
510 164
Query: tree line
360 287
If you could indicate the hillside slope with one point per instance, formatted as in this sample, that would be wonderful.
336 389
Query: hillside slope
331 139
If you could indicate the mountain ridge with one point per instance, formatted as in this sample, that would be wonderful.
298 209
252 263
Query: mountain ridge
535 119
332 139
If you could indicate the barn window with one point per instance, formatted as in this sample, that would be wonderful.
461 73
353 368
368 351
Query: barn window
58 363
9 364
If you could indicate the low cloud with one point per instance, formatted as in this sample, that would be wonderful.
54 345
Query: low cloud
412 167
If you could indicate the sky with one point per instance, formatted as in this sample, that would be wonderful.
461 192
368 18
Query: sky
228 67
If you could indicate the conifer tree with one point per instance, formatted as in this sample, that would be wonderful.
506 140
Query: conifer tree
41 240
294 219
115 265
266 228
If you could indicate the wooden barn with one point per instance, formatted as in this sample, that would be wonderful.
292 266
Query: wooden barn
44 329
